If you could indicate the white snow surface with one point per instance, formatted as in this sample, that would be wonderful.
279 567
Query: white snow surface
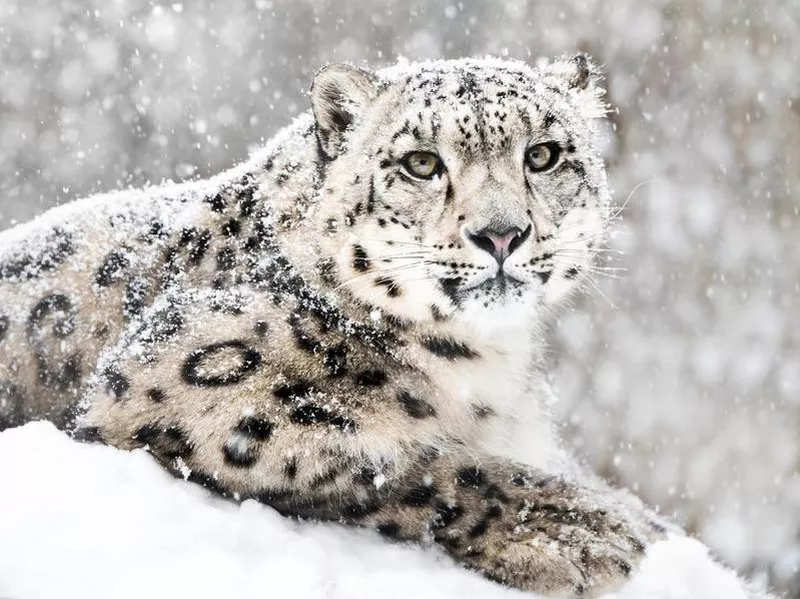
88 521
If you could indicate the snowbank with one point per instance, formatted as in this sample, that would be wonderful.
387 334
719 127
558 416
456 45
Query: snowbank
91 521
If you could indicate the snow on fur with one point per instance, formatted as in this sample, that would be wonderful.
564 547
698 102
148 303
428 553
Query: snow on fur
91 521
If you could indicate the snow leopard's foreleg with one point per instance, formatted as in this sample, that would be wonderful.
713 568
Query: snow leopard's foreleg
524 528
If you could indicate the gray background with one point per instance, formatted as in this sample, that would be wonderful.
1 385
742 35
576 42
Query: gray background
679 378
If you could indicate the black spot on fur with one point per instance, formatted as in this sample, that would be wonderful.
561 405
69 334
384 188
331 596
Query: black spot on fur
226 259
495 492
571 273
112 269
414 406
208 482
335 360
326 267
418 496
446 515
472 477
482 412
310 414
494 512
247 203
261 328
55 368
623 566
60 374
156 395
436 314
88 434
371 196
186 236
116 383
174 442
135 295
299 389
166 322
544 276
389 530
519 480
12 402
322 479
217 203
200 247
275 498
255 427
238 454
448 348
479 529
60 307
165 442
231 228
147 433
371 378
290 468
51 253
201 359
365 476
392 288
4 324
450 287
450 194
303 339
360 258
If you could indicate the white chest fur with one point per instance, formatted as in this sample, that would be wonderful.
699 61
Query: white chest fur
501 392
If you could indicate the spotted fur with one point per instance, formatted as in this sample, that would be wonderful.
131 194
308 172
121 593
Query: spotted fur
323 330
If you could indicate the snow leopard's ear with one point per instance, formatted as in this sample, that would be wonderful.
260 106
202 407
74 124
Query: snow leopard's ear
582 79
339 94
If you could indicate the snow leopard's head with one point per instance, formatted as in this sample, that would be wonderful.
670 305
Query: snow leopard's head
466 189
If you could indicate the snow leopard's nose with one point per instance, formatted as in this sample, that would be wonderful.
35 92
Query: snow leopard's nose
500 244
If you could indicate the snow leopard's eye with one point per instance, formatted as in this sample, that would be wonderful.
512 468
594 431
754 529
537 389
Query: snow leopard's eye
422 165
542 157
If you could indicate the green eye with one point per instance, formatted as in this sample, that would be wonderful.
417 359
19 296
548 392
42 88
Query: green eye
423 165
542 156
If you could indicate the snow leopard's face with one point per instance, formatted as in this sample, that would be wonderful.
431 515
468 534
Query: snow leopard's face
466 189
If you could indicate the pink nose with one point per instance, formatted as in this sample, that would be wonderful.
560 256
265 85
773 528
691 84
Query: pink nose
502 241
500 244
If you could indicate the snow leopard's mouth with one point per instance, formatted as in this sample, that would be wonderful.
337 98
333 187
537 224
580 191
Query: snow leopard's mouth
501 282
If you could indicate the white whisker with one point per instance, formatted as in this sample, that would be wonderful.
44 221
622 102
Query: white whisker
381 272
628 199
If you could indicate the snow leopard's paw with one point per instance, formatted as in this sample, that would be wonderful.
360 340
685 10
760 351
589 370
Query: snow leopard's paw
560 539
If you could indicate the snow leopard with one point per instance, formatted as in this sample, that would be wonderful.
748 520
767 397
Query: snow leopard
350 325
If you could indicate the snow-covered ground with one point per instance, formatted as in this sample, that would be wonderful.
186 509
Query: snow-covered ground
88 521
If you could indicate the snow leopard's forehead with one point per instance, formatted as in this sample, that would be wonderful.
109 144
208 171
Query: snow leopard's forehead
481 107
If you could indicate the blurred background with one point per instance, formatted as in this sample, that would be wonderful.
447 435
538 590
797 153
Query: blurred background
679 378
